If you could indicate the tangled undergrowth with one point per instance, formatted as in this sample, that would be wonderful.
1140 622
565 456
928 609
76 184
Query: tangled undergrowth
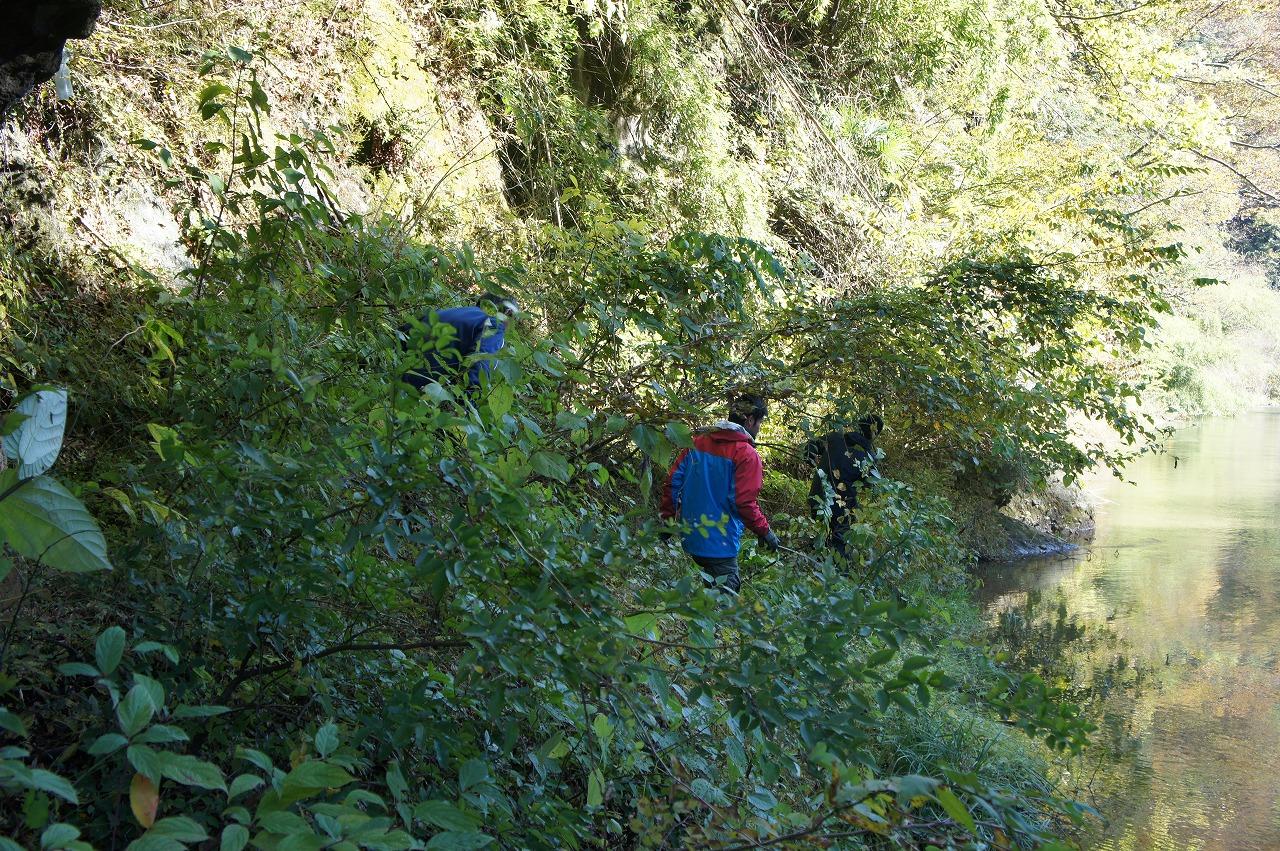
344 615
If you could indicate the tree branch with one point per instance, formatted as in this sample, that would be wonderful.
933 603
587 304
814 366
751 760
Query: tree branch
1274 146
813 827
264 670
1115 14
1229 167
1164 200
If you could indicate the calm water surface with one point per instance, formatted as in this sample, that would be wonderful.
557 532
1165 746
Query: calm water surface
1181 590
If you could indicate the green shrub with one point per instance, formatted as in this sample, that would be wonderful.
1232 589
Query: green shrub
346 615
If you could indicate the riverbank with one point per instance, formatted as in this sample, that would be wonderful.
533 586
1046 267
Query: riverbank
1163 630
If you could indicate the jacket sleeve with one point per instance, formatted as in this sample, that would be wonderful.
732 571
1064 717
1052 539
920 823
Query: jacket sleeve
864 462
675 482
748 474
813 452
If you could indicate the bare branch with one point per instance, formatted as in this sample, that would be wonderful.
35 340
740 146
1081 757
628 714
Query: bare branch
265 670
1271 147
1237 172
1166 199
1115 14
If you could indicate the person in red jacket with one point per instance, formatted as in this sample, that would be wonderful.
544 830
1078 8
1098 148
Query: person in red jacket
713 488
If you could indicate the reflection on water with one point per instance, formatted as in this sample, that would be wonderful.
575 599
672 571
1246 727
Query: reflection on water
1168 628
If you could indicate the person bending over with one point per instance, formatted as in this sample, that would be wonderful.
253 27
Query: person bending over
447 337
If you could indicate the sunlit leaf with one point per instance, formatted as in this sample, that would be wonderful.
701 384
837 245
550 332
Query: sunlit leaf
955 808
36 441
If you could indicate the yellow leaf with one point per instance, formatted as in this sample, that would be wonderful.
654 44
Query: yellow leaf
144 800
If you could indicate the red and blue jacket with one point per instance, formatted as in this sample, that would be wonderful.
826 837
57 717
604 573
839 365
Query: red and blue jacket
714 487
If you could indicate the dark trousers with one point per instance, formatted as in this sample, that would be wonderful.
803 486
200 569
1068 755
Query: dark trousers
835 536
723 571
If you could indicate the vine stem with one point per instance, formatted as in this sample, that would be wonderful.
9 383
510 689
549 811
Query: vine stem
17 608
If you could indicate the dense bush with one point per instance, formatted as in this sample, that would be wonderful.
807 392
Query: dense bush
345 615
351 616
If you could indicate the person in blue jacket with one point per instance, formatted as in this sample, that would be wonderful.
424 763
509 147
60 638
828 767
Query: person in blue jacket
447 337
714 488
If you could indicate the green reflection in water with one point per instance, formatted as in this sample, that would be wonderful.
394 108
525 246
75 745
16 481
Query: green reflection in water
1167 628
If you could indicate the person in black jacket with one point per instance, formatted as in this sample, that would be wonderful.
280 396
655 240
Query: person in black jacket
843 463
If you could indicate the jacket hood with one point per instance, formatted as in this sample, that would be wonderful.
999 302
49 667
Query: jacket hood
727 431
859 439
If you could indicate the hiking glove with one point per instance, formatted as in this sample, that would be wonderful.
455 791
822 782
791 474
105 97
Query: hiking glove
771 541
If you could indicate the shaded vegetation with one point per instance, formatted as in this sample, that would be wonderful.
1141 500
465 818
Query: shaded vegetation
342 615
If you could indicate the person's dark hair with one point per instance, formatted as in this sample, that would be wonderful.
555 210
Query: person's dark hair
871 425
747 407
499 303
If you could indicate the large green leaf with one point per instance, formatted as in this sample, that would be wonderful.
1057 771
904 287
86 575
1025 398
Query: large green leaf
35 443
146 761
326 739
242 784
57 836
189 771
551 465
453 840
180 828
135 711
147 842
446 815
42 520
652 442
595 788
473 771
317 775
234 838
107 743
955 808
11 722
501 398
284 822
109 649
679 434
47 781
169 833
162 734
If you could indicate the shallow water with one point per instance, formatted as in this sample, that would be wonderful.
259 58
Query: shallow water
1181 590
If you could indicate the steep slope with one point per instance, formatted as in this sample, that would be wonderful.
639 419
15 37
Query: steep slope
452 615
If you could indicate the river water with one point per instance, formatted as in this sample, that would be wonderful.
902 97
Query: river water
1167 628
